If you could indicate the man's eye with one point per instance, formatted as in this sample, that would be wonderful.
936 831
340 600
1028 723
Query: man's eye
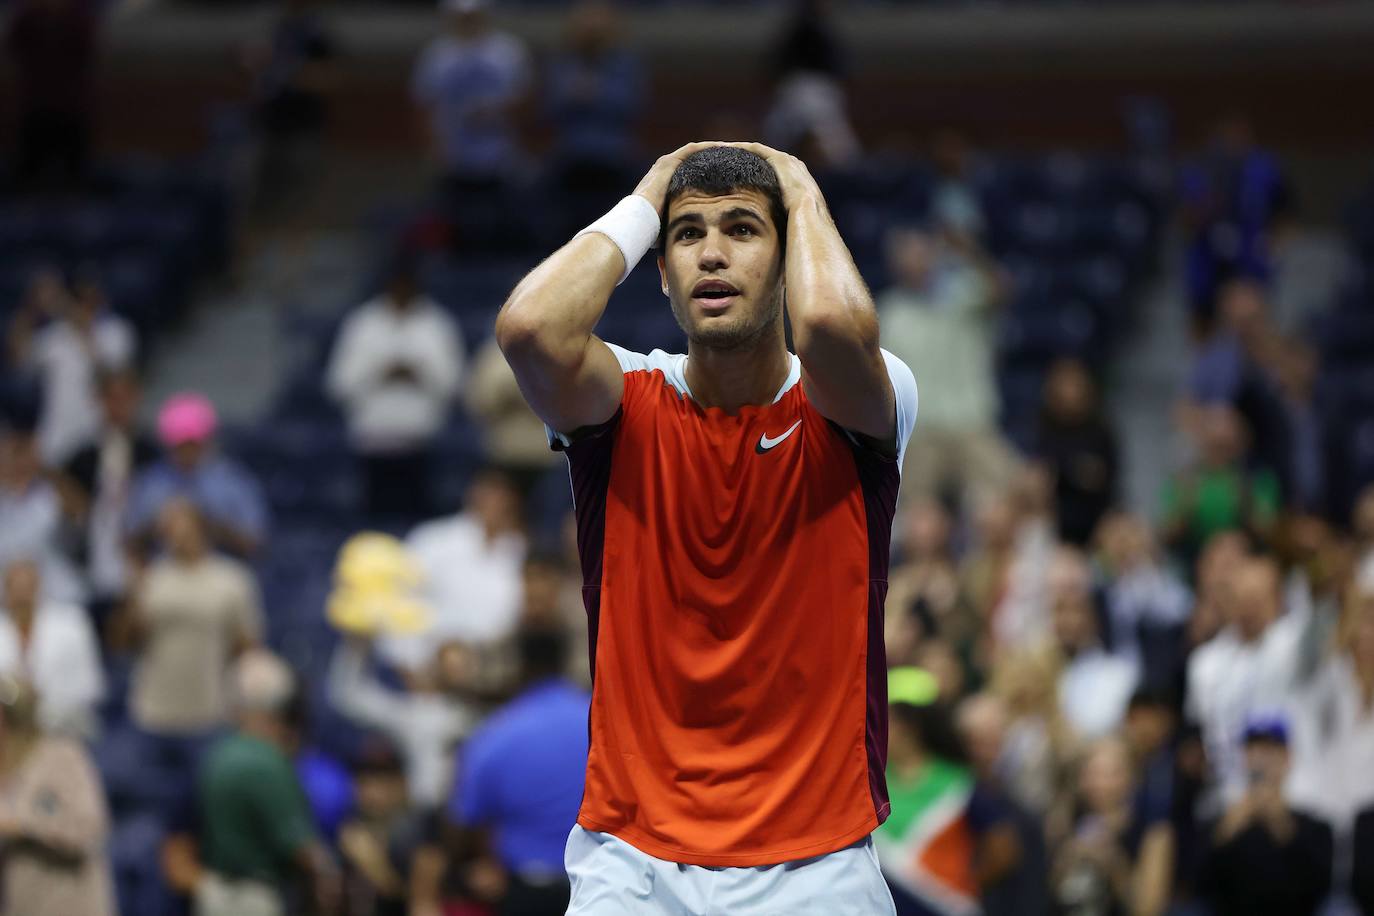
743 230
688 234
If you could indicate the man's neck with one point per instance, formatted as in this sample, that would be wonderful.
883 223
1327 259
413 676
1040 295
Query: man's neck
731 379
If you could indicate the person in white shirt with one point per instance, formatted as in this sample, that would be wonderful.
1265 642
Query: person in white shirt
1333 747
1252 667
472 563
81 338
396 369
31 518
426 722
53 647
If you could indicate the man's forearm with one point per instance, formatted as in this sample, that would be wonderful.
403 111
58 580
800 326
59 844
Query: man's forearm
826 295
556 306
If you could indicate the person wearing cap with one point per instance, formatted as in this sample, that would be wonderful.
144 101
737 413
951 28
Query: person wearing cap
256 827
54 821
944 841
468 82
1266 858
230 500
382 833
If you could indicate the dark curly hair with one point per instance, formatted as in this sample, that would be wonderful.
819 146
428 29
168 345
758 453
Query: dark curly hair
719 170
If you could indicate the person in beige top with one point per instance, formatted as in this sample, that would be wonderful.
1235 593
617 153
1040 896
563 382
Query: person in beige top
515 438
194 611
53 818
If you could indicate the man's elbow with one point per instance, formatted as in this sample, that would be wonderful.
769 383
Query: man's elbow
527 342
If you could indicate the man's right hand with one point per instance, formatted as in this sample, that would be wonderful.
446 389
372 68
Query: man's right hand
653 187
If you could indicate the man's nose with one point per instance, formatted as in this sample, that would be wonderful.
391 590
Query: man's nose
713 256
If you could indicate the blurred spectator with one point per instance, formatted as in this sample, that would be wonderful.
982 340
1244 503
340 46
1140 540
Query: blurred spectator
469 81
68 341
380 837
1118 857
293 75
938 317
809 110
54 45
1078 446
256 828
53 647
1012 868
54 823
396 368
522 779
551 594
928 844
1095 686
515 439
229 499
1147 606
954 201
193 612
1020 616
1306 462
471 563
1250 667
1232 201
31 517
595 95
1241 364
1149 732
425 722
1265 857
1333 736
1218 492
96 483
924 599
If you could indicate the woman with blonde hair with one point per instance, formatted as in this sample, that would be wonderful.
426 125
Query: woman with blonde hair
53 818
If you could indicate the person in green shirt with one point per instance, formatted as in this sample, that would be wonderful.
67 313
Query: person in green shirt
256 828
1219 493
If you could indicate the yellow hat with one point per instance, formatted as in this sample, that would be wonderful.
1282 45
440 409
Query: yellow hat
912 686
375 580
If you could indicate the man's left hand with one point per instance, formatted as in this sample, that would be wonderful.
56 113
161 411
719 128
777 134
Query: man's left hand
793 175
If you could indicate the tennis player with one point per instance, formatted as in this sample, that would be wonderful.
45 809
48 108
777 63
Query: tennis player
734 509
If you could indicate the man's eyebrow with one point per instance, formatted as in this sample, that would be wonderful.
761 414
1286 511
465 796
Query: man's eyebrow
685 218
742 213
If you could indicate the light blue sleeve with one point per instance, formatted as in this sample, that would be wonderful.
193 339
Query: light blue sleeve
670 364
905 394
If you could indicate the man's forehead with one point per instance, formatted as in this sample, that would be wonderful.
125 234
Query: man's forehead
707 205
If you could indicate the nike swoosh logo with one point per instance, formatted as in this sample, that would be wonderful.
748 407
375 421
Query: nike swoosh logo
766 443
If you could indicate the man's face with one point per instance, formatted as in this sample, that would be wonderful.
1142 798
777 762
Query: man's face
1256 591
722 268
120 399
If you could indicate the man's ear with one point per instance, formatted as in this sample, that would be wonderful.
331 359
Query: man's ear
663 275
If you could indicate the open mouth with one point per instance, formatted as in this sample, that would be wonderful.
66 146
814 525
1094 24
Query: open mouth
714 294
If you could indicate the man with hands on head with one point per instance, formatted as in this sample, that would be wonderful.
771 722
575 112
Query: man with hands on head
734 508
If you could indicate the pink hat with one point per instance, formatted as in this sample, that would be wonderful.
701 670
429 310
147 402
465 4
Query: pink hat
187 417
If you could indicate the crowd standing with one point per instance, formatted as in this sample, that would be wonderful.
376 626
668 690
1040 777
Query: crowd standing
1093 712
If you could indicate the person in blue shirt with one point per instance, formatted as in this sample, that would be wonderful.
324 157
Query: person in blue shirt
521 777
229 497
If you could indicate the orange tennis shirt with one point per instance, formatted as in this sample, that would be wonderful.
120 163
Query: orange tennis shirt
734 573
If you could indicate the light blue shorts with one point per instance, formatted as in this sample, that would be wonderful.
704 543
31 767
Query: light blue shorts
612 878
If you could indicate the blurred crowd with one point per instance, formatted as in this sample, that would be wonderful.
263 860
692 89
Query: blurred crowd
1093 711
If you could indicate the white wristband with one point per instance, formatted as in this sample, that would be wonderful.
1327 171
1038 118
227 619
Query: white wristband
633 225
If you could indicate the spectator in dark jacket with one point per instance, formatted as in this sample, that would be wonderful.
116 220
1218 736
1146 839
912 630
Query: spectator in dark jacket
1078 446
